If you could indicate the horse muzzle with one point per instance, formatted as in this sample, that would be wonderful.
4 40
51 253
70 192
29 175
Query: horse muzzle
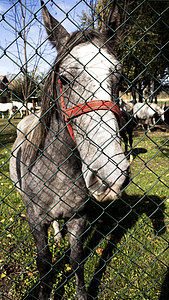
109 194
104 192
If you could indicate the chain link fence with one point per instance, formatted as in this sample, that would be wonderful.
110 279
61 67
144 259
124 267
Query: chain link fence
70 205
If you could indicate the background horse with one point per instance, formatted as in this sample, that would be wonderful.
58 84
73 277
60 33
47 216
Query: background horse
128 107
127 125
21 108
148 112
6 107
71 150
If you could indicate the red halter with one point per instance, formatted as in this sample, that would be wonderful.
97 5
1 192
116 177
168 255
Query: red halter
83 108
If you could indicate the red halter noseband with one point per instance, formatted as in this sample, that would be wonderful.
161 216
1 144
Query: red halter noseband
83 108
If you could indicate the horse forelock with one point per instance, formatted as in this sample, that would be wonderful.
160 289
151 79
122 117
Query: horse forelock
36 139
80 37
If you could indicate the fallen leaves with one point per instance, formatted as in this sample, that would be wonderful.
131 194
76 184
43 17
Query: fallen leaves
99 251
23 215
9 235
3 275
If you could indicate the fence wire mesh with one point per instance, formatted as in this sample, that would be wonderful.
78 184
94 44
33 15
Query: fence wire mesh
78 192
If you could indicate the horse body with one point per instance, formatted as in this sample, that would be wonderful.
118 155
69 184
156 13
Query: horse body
23 108
4 107
127 106
147 112
55 174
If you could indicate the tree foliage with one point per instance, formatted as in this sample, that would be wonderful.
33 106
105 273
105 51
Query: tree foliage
143 45
21 21
34 81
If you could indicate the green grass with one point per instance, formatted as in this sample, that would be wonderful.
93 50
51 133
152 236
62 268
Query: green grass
125 243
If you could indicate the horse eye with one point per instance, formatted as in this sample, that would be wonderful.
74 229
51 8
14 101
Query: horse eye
64 79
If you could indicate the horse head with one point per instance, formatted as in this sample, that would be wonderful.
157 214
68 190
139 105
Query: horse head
90 72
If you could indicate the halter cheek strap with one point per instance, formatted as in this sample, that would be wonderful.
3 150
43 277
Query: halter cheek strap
83 108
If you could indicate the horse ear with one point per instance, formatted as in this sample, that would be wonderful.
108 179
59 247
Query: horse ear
110 27
58 35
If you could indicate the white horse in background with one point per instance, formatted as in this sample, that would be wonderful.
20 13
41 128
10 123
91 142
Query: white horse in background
20 106
127 106
4 107
148 112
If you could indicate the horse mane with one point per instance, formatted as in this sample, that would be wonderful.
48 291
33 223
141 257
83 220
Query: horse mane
36 140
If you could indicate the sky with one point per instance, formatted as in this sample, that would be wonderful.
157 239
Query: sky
10 60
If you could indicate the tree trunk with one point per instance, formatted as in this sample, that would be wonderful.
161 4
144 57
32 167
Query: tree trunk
25 88
133 94
140 92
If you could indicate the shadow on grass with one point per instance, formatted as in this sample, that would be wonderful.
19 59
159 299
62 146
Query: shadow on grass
7 132
6 138
113 219
165 287
137 151
158 128
117 219
164 150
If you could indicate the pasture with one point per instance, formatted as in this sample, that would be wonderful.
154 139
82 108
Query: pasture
125 241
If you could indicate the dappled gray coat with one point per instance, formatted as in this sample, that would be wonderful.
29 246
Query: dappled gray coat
54 174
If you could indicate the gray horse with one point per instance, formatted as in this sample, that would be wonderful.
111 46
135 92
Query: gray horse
58 162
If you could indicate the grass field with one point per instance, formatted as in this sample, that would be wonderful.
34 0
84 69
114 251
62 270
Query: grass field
126 242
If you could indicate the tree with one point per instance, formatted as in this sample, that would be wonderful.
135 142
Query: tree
28 36
35 83
143 41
